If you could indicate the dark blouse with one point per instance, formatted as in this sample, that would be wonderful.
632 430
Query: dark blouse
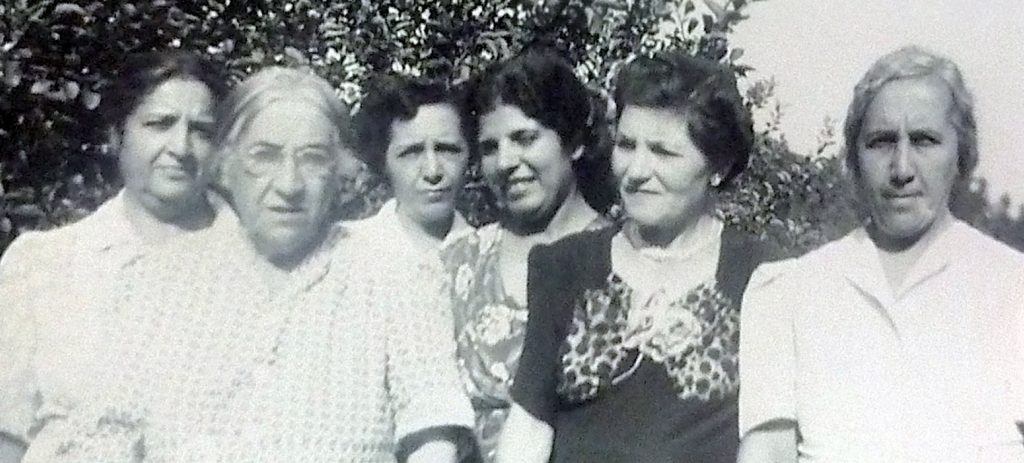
665 393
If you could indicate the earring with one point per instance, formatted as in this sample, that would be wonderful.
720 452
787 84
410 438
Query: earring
716 180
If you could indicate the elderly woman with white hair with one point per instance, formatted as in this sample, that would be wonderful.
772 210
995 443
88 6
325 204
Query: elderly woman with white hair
901 341
272 341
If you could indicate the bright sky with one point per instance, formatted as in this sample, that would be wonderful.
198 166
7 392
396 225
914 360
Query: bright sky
818 49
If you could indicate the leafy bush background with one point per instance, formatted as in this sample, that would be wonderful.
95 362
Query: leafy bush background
56 58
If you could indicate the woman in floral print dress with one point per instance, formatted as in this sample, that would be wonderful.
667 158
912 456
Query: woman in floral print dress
535 123
631 345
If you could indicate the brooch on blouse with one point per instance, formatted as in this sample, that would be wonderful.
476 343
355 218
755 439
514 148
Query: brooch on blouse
694 337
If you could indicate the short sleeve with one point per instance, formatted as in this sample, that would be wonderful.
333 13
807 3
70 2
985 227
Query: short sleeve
767 350
423 379
535 383
20 285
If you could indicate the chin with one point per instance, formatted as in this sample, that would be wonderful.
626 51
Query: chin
905 228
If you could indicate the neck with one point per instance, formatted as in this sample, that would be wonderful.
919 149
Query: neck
573 215
678 238
156 221
898 255
428 235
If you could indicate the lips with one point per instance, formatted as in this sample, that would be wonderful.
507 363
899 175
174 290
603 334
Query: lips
436 193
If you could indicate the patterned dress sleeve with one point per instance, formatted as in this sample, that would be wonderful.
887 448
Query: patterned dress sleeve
424 386
536 380
20 285
767 348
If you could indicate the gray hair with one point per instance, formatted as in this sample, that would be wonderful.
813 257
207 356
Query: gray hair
274 84
913 62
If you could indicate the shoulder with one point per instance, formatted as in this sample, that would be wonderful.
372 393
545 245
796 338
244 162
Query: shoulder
579 246
35 249
978 245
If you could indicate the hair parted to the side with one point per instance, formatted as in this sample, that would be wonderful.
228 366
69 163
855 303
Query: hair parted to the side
702 91
914 62
141 73
390 98
543 85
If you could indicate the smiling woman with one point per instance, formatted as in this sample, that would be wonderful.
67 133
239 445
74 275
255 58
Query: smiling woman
534 134
632 337
273 339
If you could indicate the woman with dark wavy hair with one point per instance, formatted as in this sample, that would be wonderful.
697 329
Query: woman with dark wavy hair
159 113
631 344
415 133
535 131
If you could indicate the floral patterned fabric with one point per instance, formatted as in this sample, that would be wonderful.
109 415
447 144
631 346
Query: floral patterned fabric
624 374
694 337
489 329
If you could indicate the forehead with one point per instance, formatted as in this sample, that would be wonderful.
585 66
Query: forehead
654 125
915 102
506 118
290 122
438 120
184 96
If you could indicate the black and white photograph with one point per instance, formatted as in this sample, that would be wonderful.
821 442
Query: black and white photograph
511 231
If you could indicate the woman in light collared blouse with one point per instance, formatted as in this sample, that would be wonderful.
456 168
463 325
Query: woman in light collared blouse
275 340
414 133
535 131
160 112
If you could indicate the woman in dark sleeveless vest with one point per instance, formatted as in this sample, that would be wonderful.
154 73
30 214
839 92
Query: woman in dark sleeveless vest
631 345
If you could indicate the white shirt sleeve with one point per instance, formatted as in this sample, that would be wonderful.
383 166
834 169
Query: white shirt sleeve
423 379
767 349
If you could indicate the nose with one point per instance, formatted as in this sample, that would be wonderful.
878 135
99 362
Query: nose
179 144
508 156
288 182
901 171
638 168
430 169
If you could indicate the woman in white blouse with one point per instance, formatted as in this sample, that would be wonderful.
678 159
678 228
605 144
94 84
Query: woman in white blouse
275 340
160 112
901 341
414 133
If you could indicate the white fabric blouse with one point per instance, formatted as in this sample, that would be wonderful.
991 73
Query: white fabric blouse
929 372
51 284
223 358
385 233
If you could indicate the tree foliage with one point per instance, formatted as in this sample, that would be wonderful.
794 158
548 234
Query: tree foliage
56 59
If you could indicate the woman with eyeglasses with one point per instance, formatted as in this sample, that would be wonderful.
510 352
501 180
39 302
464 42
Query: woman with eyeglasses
273 340
631 342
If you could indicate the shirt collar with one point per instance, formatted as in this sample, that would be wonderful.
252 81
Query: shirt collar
108 227
863 267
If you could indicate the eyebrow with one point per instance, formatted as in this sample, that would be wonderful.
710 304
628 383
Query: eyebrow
418 146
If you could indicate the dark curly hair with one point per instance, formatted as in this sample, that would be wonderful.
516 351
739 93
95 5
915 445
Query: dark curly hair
705 93
391 98
542 84
141 73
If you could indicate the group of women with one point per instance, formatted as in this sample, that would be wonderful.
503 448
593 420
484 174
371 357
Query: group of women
215 309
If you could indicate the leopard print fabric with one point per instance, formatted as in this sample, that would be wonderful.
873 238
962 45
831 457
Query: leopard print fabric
698 346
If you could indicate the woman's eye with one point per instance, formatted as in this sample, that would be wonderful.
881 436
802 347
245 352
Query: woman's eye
263 155
449 148
525 137
315 158
880 142
625 144
923 140
162 123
